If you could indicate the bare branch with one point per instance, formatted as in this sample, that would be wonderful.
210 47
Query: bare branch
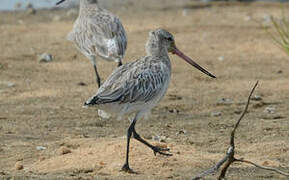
229 158
242 115
263 167
215 168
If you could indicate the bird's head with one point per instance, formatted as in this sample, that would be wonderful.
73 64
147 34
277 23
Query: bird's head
160 39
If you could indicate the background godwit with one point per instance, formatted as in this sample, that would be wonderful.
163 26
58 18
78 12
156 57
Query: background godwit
138 86
97 32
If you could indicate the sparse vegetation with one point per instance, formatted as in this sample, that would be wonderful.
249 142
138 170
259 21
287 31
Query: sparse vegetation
280 34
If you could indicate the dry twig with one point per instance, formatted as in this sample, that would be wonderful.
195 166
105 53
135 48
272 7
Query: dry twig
229 158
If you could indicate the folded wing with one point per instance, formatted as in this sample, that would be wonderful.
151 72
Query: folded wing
140 81
102 34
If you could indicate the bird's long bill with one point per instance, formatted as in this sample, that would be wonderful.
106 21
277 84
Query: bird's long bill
59 2
191 62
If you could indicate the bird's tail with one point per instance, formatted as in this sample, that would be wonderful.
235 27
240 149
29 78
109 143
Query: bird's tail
96 100
92 101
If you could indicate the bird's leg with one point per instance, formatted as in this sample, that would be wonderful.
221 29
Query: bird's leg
156 149
126 167
97 76
119 64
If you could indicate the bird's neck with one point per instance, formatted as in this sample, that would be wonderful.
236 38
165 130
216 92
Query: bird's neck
159 51
154 48
85 4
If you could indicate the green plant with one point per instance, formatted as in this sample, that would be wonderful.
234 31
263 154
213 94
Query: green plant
280 35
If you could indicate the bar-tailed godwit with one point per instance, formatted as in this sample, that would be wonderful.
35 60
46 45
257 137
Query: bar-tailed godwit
138 86
98 33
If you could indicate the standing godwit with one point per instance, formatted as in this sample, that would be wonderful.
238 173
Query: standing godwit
97 32
138 86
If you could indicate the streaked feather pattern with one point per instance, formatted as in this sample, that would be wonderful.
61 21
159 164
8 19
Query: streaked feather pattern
98 32
139 81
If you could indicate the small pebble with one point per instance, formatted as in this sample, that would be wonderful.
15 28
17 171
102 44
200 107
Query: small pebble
224 101
221 58
256 98
279 72
10 84
159 138
181 132
45 57
81 84
216 114
270 110
19 165
168 125
40 148
63 150
174 111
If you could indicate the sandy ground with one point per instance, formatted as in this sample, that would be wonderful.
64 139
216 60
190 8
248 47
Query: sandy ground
41 114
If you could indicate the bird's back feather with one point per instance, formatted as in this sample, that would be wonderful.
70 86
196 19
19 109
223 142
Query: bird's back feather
139 81
99 33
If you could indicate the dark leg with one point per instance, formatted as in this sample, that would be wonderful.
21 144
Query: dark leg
97 76
126 167
119 64
130 131
156 149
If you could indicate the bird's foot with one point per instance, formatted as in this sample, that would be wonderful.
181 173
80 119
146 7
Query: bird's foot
160 150
127 169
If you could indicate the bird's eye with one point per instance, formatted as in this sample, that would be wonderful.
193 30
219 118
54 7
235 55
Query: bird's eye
170 39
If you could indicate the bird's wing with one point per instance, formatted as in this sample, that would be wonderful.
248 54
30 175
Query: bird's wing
101 34
139 81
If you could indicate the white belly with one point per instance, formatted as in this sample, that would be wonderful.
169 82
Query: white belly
122 109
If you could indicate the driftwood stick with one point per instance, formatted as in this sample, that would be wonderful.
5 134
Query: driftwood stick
215 168
229 158
232 143
263 167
